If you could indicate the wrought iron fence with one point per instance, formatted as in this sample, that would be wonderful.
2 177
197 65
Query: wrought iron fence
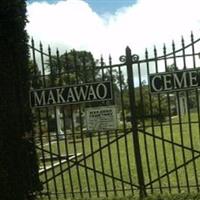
155 146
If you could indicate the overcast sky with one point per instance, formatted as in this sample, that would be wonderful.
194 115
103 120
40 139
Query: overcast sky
108 26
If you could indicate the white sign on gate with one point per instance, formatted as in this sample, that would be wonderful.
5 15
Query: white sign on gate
101 118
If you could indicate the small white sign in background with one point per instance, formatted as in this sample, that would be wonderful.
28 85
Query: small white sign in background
102 118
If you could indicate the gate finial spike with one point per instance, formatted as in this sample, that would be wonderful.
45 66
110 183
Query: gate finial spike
32 42
128 50
182 39
154 49
41 46
101 60
109 57
192 36
49 48
57 51
146 53
164 48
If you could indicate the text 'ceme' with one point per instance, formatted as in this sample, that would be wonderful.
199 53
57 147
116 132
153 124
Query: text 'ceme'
174 81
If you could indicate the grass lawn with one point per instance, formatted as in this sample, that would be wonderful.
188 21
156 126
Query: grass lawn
117 162
183 196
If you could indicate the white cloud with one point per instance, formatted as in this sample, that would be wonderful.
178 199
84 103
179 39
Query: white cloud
73 24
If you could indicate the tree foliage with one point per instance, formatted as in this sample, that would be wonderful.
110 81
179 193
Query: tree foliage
150 106
147 106
18 168
71 67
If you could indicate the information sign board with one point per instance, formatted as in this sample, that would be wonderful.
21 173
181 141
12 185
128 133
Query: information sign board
102 118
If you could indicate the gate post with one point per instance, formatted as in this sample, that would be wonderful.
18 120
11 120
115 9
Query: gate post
134 124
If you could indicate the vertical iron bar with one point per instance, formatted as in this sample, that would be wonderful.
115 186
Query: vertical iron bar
189 118
59 152
52 73
36 76
161 124
197 95
67 69
100 147
73 126
136 144
33 54
145 137
67 153
46 109
57 131
59 67
111 165
182 140
111 79
124 129
43 155
102 164
171 128
143 113
94 166
181 134
141 96
153 133
42 63
119 162
84 71
91 142
116 131
102 70
75 150
47 116
66 142
108 140
184 66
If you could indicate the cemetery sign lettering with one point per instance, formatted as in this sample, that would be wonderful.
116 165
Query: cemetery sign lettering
174 81
98 91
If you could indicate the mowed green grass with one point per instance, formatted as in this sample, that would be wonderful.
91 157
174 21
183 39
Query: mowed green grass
185 196
118 160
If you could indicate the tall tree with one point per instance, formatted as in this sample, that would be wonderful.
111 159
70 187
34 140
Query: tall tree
18 164
71 67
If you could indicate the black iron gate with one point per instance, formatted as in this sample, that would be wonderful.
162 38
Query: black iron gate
156 144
